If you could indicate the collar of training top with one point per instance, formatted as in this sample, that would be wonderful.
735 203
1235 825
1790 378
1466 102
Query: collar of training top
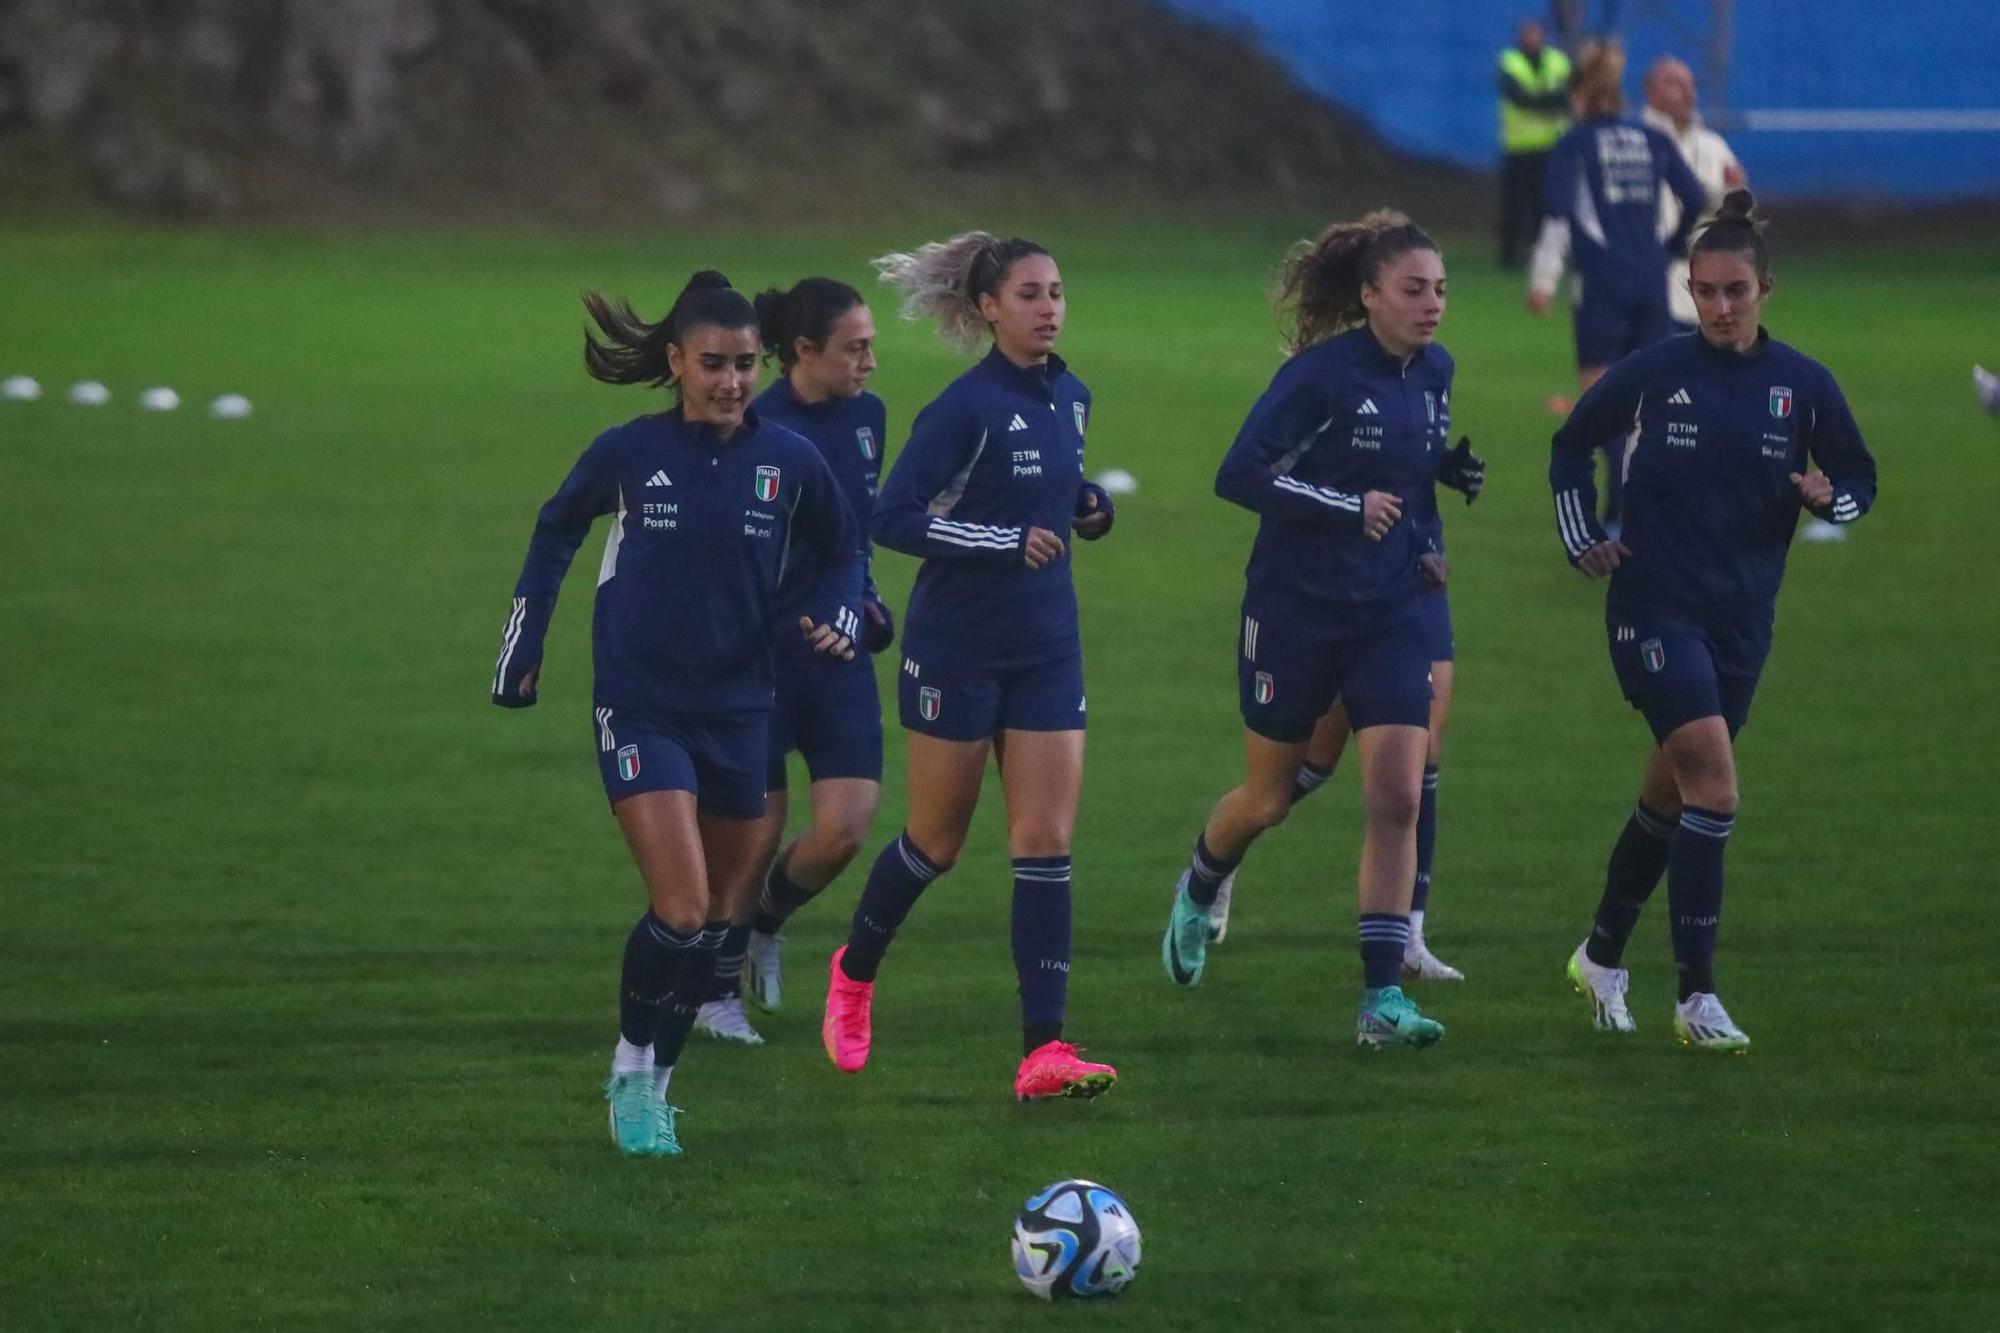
1386 359
1038 378
824 406
707 436
1731 355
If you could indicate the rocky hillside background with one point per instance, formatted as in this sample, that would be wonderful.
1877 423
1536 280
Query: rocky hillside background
623 111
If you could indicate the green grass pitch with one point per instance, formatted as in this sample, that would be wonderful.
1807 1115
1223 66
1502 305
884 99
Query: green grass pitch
307 953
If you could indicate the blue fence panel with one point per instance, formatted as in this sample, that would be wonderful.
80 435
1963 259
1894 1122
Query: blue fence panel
1422 74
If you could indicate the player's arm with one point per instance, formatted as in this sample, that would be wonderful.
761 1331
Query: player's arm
945 442
560 528
1256 472
1545 263
824 524
1844 487
1606 411
1686 187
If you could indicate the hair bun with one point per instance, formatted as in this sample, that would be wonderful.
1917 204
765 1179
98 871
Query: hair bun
1737 206
705 279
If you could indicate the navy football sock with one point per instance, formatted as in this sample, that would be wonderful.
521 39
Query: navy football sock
1694 894
654 953
728 981
1308 781
779 899
899 877
1384 937
1207 871
1041 945
1638 859
1427 836
690 989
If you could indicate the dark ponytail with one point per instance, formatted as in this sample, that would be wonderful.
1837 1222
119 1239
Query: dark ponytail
1322 281
1735 229
809 310
635 352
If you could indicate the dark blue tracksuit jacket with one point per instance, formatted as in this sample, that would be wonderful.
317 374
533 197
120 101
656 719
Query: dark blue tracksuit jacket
1604 177
1000 451
849 434
1341 418
705 533
1709 504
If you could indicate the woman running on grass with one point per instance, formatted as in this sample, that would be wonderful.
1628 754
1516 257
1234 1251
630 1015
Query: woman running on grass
1727 427
984 491
708 499
823 336
1331 457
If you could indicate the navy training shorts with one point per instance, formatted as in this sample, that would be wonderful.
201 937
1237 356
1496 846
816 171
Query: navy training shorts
720 759
1675 670
936 697
830 711
1291 667
1610 328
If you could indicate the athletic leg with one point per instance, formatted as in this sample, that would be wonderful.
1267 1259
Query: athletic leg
664 837
1418 960
1260 802
944 781
1392 770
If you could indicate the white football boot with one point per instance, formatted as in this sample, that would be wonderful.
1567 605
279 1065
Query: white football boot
1421 963
1701 1021
725 1020
1606 988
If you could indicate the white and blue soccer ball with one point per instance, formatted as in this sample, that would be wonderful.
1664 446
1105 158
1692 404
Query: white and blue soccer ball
1076 1238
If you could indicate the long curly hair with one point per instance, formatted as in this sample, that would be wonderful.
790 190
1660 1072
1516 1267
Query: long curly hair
1320 289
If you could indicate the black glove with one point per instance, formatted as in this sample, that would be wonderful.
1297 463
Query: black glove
1093 499
1463 470
878 627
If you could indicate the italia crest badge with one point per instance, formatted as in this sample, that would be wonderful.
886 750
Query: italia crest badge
1431 404
1267 689
767 484
1781 402
628 762
865 437
929 703
1077 408
1653 655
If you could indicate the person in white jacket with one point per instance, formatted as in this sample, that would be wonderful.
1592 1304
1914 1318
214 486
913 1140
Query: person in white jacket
1670 109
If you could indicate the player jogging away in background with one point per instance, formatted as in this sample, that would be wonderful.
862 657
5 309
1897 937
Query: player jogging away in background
823 337
983 492
707 499
1348 437
1730 425
1602 200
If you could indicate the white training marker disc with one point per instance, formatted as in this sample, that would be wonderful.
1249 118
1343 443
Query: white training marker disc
20 389
89 393
159 399
1118 481
230 405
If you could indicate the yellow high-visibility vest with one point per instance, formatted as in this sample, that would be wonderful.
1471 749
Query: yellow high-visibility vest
1524 131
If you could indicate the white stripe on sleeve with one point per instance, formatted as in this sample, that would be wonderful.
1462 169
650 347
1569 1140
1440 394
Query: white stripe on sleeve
1332 499
510 639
